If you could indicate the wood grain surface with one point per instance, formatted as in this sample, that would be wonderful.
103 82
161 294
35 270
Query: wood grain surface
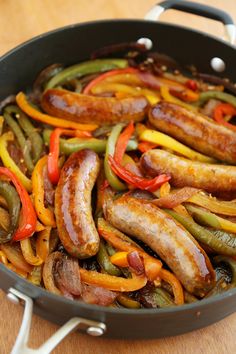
21 20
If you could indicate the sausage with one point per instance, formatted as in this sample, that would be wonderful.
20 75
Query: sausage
73 211
210 177
195 130
166 237
89 109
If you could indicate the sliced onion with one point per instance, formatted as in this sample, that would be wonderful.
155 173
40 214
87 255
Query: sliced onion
69 276
135 262
97 295
174 199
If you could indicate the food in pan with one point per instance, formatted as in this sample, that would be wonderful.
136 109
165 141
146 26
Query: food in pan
118 181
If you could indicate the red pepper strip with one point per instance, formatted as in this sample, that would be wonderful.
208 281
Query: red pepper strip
122 142
102 77
28 219
192 85
221 110
54 146
144 146
134 180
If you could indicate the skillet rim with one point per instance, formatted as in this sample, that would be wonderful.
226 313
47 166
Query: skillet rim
79 304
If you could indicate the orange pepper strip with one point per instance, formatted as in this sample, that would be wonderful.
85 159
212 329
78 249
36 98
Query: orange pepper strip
45 118
145 146
43 243
45 215
176 285
120 259
222 110
111 282
117 239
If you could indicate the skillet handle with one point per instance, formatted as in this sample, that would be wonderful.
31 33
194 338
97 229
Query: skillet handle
196 9
21 345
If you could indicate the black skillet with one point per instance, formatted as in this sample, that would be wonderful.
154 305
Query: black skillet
73 44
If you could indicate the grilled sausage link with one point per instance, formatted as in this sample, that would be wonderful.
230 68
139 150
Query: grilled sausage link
89 109
166 237
195 130
184 172
73 211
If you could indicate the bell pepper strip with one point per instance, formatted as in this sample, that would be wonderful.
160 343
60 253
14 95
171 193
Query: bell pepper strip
222 96
28 253
13 204
145 146
1 124
69 146
43 243
176 285
110 151
54 149
35 276
30 131
166 141
127 302
17 270
39 227
23 143
92 84
213 204
27 222
9 163
191 84
121 242
16 258
222 110
137 181
207 218
45 118
122 142
45 215
85 68
169 98
203 235
3 258
112 282
120 259
104 261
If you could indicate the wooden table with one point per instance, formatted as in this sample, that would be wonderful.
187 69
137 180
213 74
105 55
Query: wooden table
23 19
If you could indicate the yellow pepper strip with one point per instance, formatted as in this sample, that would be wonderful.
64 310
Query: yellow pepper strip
45 215
1 124
15 257
3 258
112 282
39 226
17 270
165 93
166 141
213 204
150 95
125 78
43 243
10 163
45 118
35 276
28 253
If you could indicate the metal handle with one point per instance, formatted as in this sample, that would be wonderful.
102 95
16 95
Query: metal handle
21 345
196 9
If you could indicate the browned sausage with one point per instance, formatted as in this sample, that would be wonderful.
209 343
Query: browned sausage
184 172
89 109
195 130
73 212
166 237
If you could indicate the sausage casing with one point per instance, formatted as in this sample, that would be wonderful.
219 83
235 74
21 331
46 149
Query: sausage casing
195 130
210 177
73 210
166 237
89 109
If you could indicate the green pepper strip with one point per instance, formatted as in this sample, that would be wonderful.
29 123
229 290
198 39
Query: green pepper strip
161 298
231 263
203 217
127 302
104 261
68 146
24 145
85 68
34 137
13 202
219 95
203 235
110 150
